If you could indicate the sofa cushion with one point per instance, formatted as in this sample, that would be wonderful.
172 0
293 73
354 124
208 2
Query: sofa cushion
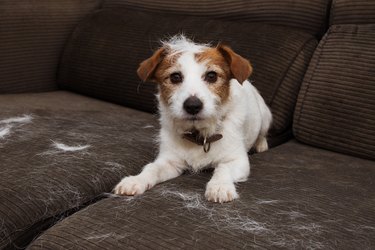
102 57
33 34
352 12
298 197
336 104
303 14
60 151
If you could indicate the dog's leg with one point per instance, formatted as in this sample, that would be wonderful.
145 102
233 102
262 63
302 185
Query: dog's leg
221 187
162 169
261 144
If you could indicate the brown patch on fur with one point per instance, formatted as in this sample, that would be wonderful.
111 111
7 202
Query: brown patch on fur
215 61
162 73
155 69
222 60
147 68
239 66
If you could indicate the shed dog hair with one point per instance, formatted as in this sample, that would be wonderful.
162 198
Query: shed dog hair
210 115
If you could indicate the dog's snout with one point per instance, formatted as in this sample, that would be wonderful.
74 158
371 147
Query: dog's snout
193 105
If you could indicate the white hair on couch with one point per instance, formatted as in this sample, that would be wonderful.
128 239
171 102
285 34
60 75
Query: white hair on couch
230 219
17 119
13 122
58 147
66 148
4 131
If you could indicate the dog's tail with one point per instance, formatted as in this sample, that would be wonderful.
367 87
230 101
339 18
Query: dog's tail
261 144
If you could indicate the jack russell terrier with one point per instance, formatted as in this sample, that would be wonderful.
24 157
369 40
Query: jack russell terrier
210 115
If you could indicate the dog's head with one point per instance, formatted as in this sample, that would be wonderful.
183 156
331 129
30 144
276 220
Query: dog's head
194 81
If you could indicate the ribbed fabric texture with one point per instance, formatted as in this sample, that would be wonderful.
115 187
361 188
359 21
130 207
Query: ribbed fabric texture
32 36
296 198
352 12
336 104
40 180
284 97
303 14
104 52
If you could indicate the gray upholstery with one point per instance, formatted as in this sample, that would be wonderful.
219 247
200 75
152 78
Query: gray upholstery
40 181
302 14
336 104
32 38
352 12
297 197
101 61
62 153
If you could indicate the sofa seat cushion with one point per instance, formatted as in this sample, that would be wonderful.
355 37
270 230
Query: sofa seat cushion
104 52
59 151
298 197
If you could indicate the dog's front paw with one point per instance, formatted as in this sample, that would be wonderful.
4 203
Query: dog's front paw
131 185
221 192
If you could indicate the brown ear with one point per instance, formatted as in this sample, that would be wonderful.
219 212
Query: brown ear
147 68
240 67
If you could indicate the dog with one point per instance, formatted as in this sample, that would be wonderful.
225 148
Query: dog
210 115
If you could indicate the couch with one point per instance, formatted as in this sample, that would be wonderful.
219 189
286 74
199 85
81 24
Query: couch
74 120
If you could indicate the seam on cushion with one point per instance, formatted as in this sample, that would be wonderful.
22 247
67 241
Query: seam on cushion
303 95
29 234
71 36
332 13
288 69
66 54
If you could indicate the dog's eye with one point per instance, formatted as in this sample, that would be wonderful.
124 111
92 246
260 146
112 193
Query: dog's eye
211 77
176 78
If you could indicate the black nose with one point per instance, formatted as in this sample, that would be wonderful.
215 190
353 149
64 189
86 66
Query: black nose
193 105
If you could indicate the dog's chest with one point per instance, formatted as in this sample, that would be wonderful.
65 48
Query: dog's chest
195 157
198 160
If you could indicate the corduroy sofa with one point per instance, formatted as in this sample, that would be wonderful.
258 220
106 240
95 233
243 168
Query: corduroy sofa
74 120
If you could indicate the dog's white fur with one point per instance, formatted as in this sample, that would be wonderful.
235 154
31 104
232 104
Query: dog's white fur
243 120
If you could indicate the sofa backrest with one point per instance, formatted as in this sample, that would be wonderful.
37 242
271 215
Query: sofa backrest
302 14
103 54
352 12
32 37
336 104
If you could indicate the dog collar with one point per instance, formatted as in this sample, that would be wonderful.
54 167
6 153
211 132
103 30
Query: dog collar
195 137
